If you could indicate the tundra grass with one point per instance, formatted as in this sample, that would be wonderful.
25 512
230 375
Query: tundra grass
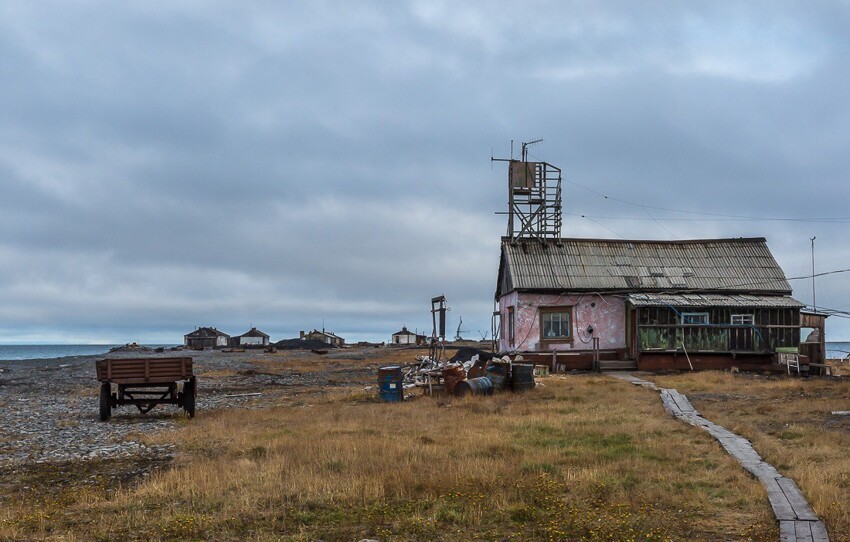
789 420
580 458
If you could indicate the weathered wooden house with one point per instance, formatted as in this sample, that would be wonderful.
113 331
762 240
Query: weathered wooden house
711 303
325 336
252 337
205 337
405 336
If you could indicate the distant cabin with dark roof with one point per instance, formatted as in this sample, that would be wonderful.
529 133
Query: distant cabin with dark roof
710 303
205 337
325 336
405 336
253 337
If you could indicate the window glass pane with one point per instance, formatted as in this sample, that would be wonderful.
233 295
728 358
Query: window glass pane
695 318
742 319
555 324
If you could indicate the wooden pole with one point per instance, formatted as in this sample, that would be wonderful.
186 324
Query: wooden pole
691 365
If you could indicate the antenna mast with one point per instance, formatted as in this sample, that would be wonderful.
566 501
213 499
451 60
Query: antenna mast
814 296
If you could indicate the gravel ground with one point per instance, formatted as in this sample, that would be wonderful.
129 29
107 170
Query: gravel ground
50 407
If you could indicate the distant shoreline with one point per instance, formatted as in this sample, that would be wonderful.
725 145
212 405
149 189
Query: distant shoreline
23 352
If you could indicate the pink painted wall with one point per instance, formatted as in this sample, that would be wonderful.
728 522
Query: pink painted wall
607 315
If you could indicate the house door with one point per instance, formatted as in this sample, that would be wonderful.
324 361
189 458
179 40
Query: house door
741 333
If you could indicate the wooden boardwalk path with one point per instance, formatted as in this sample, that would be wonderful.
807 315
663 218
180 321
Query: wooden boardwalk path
797 520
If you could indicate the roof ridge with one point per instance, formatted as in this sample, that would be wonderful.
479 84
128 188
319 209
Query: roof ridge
558 240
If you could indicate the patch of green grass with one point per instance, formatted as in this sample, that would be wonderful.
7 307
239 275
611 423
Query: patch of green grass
449 513
791 434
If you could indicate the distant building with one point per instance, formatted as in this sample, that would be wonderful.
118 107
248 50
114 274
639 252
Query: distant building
405 336
324 336
205 337
254 337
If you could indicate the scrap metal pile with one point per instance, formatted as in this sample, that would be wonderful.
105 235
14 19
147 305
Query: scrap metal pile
469 371
478 375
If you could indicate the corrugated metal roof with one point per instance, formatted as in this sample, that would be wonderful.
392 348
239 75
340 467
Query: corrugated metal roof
206 332
727 265
713 300
254 332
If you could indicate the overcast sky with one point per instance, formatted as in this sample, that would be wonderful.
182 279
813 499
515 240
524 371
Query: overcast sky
165 165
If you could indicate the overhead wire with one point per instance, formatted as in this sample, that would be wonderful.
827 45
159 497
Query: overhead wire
606 227
704 213
720 216
682 219
663 227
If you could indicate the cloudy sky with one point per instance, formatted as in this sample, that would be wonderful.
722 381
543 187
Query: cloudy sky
165 165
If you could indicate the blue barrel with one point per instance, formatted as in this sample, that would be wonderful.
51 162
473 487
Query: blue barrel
474 386
390 388
499 373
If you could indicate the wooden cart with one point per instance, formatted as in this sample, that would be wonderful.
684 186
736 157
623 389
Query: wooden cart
145 383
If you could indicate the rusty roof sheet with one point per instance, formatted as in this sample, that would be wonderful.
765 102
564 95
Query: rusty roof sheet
663 299
722 265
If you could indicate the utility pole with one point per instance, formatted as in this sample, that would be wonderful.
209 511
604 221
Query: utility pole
814 296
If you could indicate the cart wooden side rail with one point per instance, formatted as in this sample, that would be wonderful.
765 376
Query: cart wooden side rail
145 383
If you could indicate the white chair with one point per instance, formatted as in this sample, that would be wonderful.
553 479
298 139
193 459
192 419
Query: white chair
790 360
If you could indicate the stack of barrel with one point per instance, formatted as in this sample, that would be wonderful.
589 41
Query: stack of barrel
500 375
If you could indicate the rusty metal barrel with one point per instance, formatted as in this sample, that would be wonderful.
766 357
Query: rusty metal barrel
451 376
390 384
474 386
522 376
499 372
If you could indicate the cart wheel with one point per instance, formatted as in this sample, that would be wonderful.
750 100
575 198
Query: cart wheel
105 407
189 398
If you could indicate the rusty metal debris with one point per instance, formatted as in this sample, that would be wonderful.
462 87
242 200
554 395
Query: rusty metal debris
469 371
448 377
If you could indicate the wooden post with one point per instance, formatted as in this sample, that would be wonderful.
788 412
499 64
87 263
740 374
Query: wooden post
691 365
596 366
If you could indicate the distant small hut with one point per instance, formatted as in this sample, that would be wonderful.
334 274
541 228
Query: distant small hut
252 337
205 337
405 336
324 336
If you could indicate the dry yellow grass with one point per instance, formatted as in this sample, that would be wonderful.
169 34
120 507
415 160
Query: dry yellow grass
299 360
840 367
789 422
583 458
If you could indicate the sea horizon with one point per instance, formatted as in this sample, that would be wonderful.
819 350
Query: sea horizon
18 352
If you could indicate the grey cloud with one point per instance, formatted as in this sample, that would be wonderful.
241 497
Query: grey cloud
165 165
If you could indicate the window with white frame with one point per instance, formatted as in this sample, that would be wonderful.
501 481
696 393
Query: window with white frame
743 319
699 318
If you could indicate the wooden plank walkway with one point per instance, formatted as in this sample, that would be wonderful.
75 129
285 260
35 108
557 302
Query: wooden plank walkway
797 520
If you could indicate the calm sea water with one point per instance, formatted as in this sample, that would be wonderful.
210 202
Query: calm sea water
837 350
49 351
